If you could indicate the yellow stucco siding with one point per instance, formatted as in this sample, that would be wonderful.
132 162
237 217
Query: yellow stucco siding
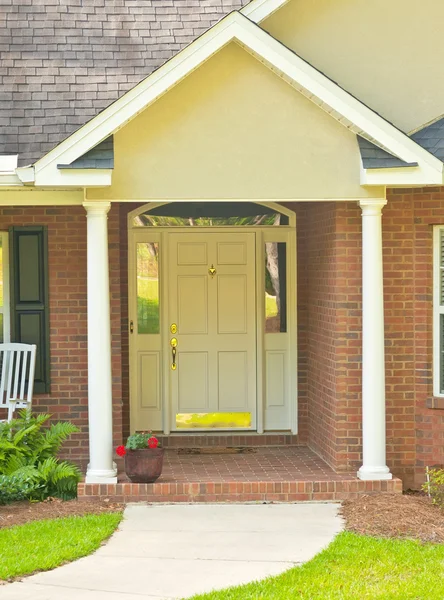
388 53
233 129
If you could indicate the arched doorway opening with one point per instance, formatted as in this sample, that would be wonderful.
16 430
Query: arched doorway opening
212 313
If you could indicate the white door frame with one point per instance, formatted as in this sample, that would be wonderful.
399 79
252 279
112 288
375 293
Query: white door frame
281 233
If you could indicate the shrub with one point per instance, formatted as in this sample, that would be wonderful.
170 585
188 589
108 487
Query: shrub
434 487
14 488
28 457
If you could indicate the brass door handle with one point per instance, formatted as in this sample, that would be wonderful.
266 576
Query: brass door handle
173 344
131 327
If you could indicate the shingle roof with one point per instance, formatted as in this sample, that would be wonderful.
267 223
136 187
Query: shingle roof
374 157
99 157
63 61
432 138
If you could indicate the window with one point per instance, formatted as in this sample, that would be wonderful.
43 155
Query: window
4 289
211 214
29 303
148 287
275 287
438 312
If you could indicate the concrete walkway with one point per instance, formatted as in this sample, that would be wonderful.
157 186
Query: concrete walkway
174 551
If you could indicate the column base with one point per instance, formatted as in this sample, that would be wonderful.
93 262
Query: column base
374 473
101 475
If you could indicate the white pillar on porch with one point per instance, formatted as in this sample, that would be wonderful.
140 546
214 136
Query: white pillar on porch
373 360
101 468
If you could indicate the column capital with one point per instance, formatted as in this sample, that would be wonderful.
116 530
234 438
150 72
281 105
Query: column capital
372 207
96 208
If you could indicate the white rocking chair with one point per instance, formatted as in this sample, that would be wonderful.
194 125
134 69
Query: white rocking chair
17 376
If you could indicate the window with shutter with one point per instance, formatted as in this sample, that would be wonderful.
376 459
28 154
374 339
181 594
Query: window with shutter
28 253
4 288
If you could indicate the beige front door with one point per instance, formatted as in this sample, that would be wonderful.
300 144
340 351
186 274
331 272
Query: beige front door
212 302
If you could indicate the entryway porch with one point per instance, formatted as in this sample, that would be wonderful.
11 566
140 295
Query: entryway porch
232 469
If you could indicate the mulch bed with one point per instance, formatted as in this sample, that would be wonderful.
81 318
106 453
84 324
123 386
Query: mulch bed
53 508
395 516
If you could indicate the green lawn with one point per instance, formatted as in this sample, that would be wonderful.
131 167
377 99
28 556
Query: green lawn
354 568
43 545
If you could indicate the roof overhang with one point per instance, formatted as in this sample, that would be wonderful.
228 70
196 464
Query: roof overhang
303 77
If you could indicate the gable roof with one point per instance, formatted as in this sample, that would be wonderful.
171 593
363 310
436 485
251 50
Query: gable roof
64 62
341 105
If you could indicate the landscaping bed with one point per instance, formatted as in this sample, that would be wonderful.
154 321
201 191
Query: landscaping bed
395 516
19 513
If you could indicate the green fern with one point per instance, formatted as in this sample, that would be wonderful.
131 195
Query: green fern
28 451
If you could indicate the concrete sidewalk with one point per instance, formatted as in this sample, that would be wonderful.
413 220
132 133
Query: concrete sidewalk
174 551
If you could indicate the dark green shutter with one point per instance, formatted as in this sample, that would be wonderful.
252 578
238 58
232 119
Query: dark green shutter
28 252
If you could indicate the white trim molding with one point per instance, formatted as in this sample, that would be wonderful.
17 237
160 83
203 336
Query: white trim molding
259 10
373 358
438 310
101 468
326 94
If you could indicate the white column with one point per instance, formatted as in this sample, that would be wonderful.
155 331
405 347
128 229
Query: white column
101 468
373 362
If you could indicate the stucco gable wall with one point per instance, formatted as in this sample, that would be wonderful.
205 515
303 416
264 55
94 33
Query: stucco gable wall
388 54
233 129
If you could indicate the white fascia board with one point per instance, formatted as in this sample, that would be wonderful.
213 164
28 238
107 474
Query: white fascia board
258 10
8 163
36 197
74 178
10 180
26 174
401 176
234 27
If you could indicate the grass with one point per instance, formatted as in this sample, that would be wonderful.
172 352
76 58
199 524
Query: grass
43 545
354 567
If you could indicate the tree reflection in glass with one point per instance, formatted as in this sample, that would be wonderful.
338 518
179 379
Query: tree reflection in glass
275 287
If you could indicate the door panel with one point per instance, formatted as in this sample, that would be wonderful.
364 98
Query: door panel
146 389
192 304
212 299
232 304
233 380
192 371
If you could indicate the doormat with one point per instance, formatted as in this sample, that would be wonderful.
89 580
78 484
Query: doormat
217 450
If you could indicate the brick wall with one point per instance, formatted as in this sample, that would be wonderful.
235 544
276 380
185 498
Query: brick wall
329 326
329 314
68 320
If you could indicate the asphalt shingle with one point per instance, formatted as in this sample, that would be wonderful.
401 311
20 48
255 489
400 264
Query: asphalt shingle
374 157
63 61
432 138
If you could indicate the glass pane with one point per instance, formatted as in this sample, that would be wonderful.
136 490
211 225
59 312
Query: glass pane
275 287
213 420
148 287
211 214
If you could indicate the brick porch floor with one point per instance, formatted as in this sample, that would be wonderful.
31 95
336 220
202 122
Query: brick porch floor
269 474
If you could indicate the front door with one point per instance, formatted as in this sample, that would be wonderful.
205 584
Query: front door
212 330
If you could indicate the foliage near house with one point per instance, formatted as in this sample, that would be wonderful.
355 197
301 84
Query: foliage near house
45 545
29 467
354 566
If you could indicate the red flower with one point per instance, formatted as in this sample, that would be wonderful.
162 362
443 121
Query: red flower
153 442
121 450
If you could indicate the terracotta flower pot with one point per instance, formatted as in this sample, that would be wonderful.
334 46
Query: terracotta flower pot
144 465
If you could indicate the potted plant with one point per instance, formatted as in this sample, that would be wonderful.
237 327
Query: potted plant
143 457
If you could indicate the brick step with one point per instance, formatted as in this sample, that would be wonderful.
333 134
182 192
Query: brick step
237 491
204 440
